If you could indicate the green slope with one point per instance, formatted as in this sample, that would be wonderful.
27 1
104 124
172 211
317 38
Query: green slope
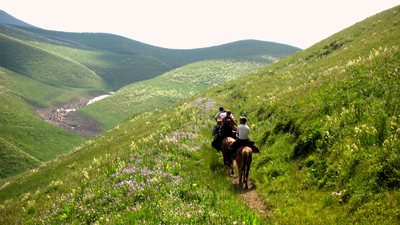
116 70
44 66
26 140
170 88
327 121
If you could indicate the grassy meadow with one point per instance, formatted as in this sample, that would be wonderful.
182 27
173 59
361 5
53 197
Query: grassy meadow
327 120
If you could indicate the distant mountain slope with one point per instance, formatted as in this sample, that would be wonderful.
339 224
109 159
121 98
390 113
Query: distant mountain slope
43 66
172 57
8 19
117 70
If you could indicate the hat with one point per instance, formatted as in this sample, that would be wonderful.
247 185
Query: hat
243 118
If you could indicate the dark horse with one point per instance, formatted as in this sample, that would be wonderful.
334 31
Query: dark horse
227 153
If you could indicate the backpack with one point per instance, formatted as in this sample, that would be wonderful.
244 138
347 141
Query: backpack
226 128
215 130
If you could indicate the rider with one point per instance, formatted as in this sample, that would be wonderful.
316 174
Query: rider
243 132
243 135
218 116
228 121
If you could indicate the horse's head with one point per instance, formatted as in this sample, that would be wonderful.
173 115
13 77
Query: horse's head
255 149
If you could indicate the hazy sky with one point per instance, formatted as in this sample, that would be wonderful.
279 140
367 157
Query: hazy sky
185 24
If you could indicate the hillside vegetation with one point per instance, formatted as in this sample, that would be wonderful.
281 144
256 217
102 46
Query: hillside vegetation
327 121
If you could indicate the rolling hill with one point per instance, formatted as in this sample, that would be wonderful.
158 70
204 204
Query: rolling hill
327 122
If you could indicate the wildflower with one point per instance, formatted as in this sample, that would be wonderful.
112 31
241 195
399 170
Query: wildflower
357 129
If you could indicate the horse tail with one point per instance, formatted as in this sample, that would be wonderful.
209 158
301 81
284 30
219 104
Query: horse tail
244 163
248 158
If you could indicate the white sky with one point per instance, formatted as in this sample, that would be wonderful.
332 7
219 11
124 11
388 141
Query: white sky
186 24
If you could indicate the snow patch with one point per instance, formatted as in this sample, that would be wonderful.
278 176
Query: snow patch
98 98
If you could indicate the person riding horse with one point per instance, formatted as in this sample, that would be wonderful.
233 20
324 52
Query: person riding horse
243 137
228 125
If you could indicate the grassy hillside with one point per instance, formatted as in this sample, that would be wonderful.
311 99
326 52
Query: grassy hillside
116 70
26 140
170 88
43 66
327 122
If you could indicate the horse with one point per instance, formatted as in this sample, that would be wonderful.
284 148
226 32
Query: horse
226 145
243 161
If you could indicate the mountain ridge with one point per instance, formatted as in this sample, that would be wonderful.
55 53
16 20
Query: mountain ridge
8 19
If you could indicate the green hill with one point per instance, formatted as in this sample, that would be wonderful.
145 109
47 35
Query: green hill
327 121
170 88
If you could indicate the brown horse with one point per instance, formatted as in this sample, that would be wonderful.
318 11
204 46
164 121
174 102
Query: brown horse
226 144
243 161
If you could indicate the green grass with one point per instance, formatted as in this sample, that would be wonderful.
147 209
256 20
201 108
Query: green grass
163 174
327 121
170 88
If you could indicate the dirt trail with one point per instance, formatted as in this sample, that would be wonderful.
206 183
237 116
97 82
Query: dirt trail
250 195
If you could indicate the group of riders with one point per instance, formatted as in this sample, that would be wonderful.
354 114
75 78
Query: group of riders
227 127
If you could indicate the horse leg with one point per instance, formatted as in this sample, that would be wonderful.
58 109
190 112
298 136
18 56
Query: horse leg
249 159
240 175
232 173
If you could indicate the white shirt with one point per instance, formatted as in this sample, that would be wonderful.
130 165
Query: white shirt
223 114
243 131
218 115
